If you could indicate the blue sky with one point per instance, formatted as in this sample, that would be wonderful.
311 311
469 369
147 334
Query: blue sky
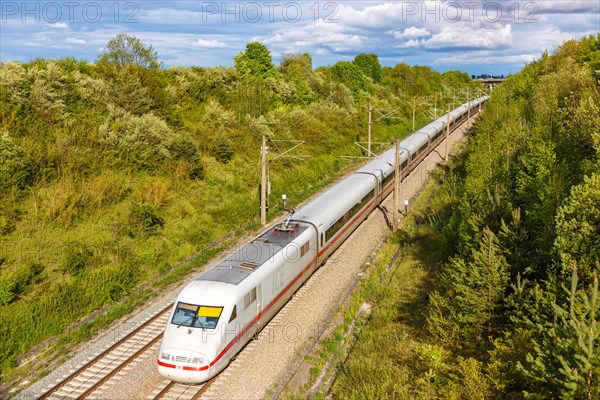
483 36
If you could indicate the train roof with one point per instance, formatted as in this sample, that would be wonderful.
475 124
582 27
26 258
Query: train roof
332 203
241 264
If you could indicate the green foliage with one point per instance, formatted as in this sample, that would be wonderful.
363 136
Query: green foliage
566 354
222 149
6 292
125 50
578 229
456 78
14 165
182 148
472 293
255 62
18 282
142 141
369 65
527 216
127 92
294 74
144 219
75 259
303 61
351 76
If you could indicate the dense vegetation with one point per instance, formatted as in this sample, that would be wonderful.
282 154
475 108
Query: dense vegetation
509 306
111 172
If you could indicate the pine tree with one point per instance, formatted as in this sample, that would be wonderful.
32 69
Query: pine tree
473 291
565 362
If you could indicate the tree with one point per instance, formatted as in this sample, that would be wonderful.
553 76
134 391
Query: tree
566 357
472 293
304 61
124 50
293 74
369 65
350 75
578 228
255 62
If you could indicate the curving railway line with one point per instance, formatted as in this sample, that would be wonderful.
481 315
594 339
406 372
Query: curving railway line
93 379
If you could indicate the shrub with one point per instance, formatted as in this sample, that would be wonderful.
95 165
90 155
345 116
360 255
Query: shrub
76 258
222 150
14 164
141 141
144 219
6 293
182 148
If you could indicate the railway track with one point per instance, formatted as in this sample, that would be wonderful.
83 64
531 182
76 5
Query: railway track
174 391
90 377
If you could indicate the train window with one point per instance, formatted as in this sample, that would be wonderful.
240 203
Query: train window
195 316
249 298
304 249
233 314
388 179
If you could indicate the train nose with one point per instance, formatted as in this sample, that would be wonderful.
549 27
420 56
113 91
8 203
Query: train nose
183 368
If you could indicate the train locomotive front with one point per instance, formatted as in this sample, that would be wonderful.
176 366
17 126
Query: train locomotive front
197 332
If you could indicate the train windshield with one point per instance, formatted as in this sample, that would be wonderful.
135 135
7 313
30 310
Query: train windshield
195 316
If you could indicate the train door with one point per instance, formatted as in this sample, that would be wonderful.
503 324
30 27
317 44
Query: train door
379 179
259 303
251 311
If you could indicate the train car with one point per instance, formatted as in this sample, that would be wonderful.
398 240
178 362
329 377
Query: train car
215 315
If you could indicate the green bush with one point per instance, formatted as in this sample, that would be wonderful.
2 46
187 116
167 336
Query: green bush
6 293
222 149
76 258
144 219
141 141
14 164
182 148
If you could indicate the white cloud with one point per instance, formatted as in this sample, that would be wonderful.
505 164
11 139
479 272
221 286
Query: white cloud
412 43
471 36
73 40
300 38
412 32
59 25
211 44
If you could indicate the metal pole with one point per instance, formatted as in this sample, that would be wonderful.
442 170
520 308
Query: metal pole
369 138
413 116
263 182
447 133
397 182
468 106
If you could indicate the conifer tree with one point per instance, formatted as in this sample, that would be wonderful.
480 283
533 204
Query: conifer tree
473 290
565 362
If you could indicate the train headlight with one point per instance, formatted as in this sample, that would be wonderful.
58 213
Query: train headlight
198 360
165 356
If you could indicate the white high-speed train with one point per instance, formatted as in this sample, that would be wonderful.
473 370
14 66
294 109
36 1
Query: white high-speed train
215 315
